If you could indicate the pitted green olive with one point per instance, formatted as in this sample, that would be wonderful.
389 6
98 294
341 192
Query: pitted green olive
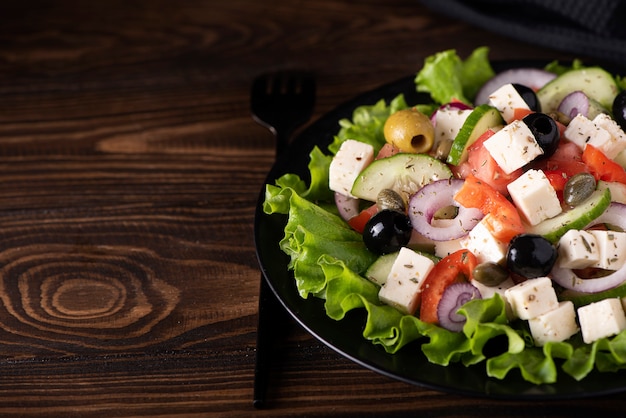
409 130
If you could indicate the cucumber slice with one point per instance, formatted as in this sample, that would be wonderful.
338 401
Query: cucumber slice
577 218
379 270
403 173
481 119
580 299
596 83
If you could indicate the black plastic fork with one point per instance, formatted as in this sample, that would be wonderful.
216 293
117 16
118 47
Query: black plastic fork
281 102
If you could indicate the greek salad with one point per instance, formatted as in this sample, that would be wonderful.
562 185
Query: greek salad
488 222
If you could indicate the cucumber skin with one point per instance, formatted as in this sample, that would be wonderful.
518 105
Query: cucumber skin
577 218
483 117
588 80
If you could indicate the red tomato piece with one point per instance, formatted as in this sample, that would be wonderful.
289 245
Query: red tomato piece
481 164
601 166
502 218
520 113
358 222
454 268
387 150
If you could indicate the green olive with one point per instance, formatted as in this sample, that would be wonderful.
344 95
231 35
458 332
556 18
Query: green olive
490 274
578 188
409 130
390 199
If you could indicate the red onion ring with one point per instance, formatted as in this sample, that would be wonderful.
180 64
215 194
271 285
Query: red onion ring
347 206
574 103
434 196
455 296
615 215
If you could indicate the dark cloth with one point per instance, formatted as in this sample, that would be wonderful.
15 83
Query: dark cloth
593 28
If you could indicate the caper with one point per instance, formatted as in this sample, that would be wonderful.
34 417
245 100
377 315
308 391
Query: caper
490 274
578 188
409 130
390 199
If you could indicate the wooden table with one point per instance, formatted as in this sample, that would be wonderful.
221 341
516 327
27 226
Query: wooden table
129 174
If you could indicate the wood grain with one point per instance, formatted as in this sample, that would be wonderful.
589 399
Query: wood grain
129 174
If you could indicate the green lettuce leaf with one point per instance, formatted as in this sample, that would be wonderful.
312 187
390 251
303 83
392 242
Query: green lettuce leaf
445 76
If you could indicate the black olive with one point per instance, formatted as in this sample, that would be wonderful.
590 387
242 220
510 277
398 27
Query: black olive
530 256
545 131
619 109
529 97
387 231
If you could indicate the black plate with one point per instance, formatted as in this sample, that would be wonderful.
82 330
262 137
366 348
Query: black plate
409 364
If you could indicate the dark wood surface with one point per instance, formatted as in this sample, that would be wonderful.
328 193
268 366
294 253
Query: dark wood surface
129 173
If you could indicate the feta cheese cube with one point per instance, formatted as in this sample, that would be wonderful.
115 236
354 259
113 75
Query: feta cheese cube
513 146
611 248
403 285
617 142
506 99
556 325
577 250
445 248
534 196
583 131
448 122
532 297
351 158
483 244
601 319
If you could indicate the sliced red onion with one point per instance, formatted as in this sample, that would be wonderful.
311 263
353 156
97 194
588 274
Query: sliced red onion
534 78
615 215
451 105
574 103
455 296
434 196
347 206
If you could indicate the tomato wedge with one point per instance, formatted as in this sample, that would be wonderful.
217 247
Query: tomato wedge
601 166
501 216
451 269
358 222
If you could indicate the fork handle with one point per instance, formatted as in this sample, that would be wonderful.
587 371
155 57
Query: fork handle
268 319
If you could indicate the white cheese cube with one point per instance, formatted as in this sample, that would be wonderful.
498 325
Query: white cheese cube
583 131
617 142
601 319
556 325
445 248
513 146
534 196
351 158
483 244
532 297
448 122
506 99
611 249
577 250
403 285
